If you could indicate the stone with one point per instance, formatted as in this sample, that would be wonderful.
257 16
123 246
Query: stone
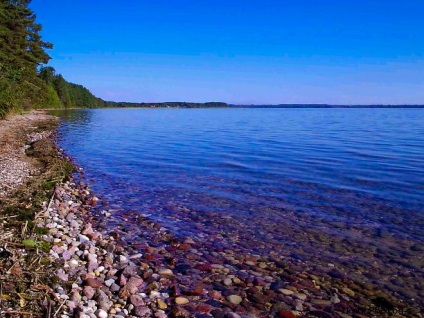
92 282
103 300
123 259
142 311
101 313
179 312
62 276
137 300
300 296
286 292
234 299
286 314
133 284
161 304
348 291
335 299
321 302
181 301
88 292
166 272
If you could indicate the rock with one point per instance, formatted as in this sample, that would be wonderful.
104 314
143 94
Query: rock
124 293
258 298
92 258
114 288
286 292
348 291
300 296
204 267
137 300
73 263
166 272
123 259
227 281
92 282
142 311
161 304
234 299
179 312
133 284
335 299
88 292
62 276
286 314
181 301
101 313
103 300
321 302
83 238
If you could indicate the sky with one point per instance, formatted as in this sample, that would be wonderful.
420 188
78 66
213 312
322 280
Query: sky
240 52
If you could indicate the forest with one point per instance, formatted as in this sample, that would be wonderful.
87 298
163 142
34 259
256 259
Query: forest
25 80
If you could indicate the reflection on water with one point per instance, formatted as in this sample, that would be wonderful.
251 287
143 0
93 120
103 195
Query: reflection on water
324 182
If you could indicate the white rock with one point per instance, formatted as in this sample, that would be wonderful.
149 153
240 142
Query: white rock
123 259
83 238
101 313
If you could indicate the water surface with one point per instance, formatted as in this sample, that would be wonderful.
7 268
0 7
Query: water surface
321 184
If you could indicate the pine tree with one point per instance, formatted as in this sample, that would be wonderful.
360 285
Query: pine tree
21 52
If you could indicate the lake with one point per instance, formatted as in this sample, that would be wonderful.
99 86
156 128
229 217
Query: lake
326 186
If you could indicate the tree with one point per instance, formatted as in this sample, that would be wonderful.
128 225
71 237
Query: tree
21 52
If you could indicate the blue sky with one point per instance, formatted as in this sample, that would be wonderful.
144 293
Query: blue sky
254 52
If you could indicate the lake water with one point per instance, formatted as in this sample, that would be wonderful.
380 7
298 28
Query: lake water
325 185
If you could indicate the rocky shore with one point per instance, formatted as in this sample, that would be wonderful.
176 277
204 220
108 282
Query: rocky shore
77 266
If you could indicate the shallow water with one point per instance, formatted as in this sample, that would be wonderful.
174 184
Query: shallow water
354 166
317 184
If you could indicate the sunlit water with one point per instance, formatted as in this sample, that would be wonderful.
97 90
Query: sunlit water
275 176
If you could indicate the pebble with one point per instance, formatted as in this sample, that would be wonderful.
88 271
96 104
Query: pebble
286 292
101 313
227 282
234 299
300 296
166 272
162 304
181 301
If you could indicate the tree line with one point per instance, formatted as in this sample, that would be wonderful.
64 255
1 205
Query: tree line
25 81
167 104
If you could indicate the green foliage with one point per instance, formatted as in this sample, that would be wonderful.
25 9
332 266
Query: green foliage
21 51
23 83
29 243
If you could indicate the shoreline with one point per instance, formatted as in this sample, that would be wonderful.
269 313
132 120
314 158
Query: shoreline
100 275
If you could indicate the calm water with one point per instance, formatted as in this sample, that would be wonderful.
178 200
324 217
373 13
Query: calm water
362 167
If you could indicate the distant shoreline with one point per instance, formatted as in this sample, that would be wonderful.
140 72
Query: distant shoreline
325 106
229 106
